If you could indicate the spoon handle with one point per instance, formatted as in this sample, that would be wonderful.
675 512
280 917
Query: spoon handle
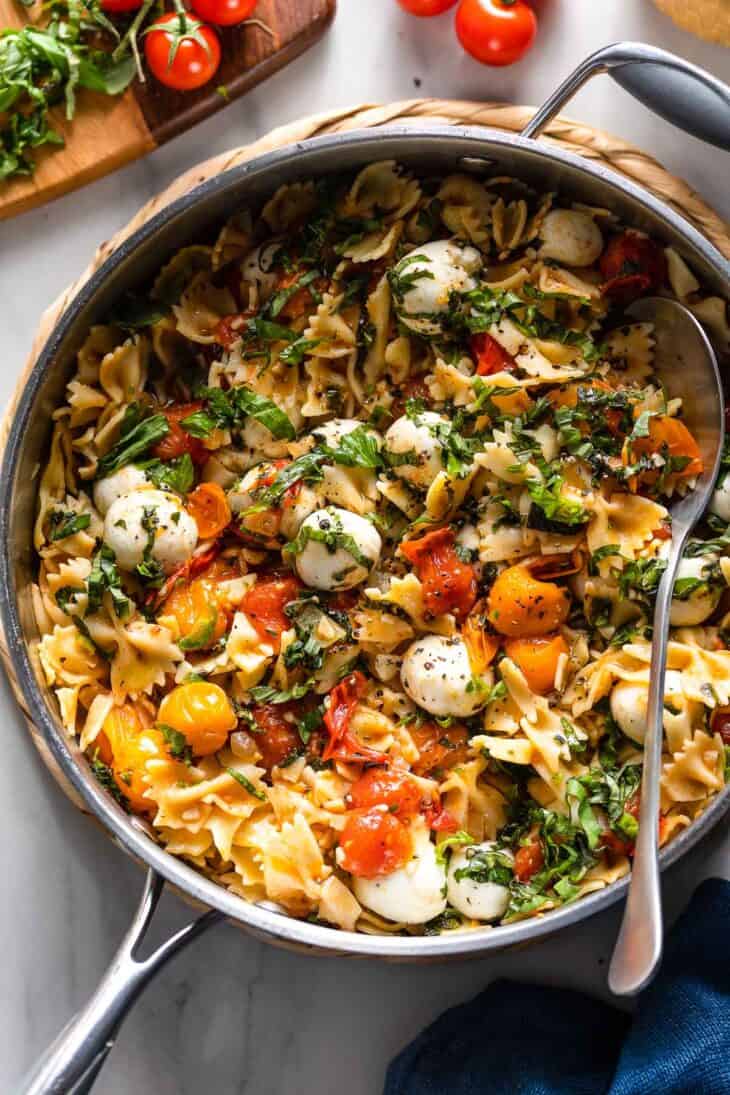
638 948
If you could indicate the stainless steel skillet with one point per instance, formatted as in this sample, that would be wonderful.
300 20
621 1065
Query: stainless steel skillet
678 91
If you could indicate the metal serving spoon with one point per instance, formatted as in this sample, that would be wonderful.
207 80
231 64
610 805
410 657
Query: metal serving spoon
686 361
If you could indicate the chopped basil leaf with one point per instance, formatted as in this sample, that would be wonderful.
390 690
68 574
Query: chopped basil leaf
133 444
63 523
247 784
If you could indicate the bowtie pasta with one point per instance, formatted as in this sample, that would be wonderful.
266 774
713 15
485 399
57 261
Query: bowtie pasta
348 541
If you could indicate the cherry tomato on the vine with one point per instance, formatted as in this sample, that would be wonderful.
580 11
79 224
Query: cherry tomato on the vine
224 13
496 32
182 57
426 7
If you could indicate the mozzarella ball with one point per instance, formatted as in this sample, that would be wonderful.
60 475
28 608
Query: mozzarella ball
478 900
570 237
720 501
329 564
629 704
332 432
413 894
437 675
258 268
694 609
416 436
171 534
127 479
446 268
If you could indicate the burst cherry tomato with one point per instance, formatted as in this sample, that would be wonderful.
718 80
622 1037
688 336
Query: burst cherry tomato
426 7
440 748
130 743
720 723
224 13
528 861
631 265
264 605
374 843
448 584
177 442
208 506
490 357
182 57
496 32
384 787
278 736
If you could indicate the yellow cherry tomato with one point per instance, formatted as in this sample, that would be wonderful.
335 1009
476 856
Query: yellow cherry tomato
522 606
130 742
202 713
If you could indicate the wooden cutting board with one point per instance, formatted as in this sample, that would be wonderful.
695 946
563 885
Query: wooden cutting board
109 132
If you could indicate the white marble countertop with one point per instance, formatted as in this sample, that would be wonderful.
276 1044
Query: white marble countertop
231 1015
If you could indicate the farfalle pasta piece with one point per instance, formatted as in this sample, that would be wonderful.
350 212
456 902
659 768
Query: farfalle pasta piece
630 349
374 245
712 314
526 354
509 221
123 371
407 594
628 521
478 809
378 306
382 188
246 650
466 208
291 204
328 327
202 306
695 771
234 240
100 341
681 278
177 274
322 381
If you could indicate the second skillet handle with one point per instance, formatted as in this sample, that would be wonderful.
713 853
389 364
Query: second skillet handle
684 94
71 1064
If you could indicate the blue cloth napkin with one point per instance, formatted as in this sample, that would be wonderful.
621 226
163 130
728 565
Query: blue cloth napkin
531 1040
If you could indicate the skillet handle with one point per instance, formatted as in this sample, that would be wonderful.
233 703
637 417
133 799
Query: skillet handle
72 1062
684 94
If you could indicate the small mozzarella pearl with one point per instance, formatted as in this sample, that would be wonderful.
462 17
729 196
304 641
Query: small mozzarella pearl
720 501
127 479
413 894
694 609
173 537
478 900
446 267
437 675
570 237
416 436
331 566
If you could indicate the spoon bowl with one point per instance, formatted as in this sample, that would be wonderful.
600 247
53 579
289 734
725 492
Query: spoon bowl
686 364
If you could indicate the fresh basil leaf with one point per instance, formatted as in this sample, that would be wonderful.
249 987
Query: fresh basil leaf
104 575
177 474
177 742
63 523
133 444
357 449
264 693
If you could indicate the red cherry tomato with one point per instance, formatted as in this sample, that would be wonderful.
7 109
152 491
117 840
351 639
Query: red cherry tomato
490 356
383 787
224 13
264 605
632 265
196 59
496 32
528 861
278 738
426 7
117 7
178 441
448 584
374 843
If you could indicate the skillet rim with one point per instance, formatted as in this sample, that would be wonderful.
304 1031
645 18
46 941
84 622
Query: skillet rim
276 927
